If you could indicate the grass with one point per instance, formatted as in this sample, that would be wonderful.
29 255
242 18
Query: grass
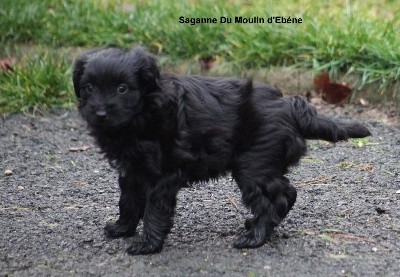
339 36
39 82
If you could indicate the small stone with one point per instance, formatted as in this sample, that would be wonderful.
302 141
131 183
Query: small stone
364 102
79 148
8 172
21 187
398 192
374 249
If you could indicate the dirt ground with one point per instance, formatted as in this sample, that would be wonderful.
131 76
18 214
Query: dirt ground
59 192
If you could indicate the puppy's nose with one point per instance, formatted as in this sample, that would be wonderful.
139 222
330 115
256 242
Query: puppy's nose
101 114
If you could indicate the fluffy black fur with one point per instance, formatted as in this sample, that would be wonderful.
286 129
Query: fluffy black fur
162 132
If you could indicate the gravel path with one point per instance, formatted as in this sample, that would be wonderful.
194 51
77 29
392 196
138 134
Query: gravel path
53 206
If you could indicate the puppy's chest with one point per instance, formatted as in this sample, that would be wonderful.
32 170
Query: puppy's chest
139 156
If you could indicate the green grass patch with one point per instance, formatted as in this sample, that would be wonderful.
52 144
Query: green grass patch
359 38
39 81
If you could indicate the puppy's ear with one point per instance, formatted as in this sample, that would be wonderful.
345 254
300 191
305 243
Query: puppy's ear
146 67
79 68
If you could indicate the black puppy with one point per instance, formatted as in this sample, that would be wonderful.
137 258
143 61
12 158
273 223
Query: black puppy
162 132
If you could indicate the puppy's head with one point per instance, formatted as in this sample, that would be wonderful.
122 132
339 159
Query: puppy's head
110 85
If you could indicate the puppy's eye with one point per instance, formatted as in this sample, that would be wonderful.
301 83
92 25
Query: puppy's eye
122 89
89 89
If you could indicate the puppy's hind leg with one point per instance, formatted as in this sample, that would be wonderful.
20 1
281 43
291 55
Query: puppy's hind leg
131 209
269 202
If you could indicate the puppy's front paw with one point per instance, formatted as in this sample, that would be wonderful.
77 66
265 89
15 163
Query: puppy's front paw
143 248
249 240
116 230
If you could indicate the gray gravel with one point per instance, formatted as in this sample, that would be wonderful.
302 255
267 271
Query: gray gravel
346 221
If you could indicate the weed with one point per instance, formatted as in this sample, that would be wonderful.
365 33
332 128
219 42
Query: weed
38 82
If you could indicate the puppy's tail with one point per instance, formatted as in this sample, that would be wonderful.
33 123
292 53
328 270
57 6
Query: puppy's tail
314 126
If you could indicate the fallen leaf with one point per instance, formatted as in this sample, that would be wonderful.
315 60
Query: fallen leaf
361 142
310 160
233 202
362 167
43 223
334 235
79 148
331 231
315 181
17 209
7 65
80 184
320 81
308 232
74 206
327 238
207 62
159 46
351 237
345 164
333 93
26 127
366 167
338 256
336 94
